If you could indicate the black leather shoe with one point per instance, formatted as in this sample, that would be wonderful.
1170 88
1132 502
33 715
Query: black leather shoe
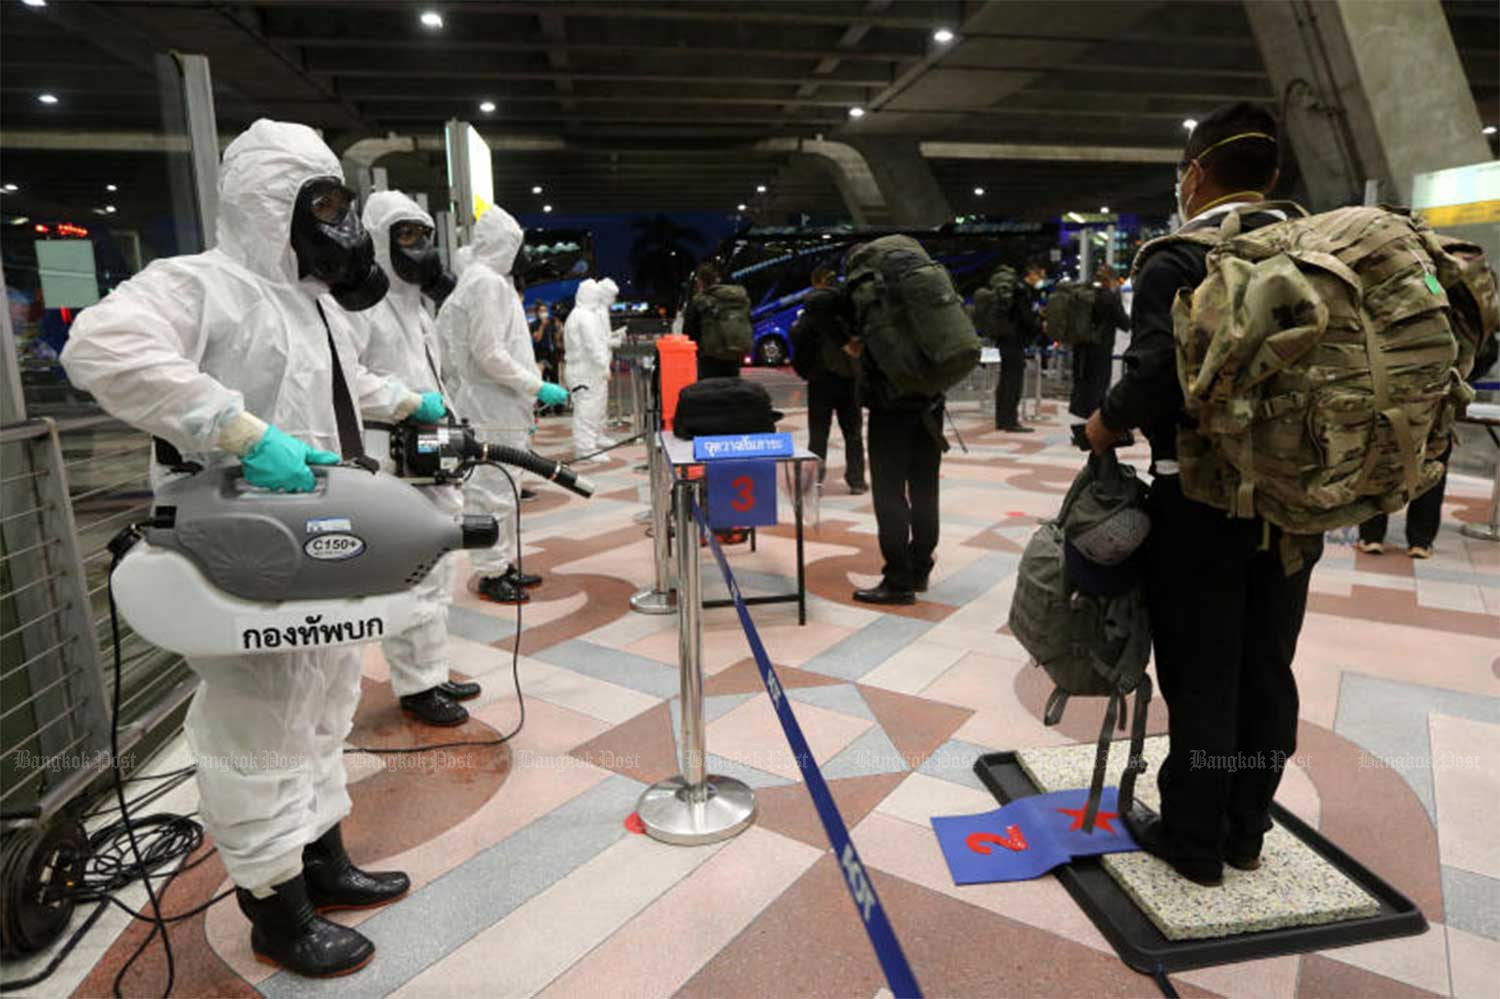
884 594
461 690
285 932
502 591
1017 429
333 882
523 579
434 707
858 489
1147 831
921 585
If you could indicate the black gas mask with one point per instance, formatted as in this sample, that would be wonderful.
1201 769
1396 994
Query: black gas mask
415 259
333 247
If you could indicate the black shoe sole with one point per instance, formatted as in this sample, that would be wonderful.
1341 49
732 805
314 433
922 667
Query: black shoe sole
432 722
1243 864
339 907
263 959
898 602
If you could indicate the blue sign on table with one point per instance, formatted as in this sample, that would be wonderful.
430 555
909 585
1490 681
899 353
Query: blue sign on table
1029 837
741 493
732 446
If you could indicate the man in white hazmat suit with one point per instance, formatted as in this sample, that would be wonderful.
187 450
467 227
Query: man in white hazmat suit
230 355
588 345
398 337
490 368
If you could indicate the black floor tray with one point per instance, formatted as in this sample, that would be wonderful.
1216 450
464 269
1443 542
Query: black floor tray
1143 947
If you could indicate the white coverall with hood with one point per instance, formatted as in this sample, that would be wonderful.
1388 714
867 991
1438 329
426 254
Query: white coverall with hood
586 346
193 350
398 337
489 365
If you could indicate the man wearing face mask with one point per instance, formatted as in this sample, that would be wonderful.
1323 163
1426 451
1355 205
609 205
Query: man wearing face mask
588 342
230 356
490 367
1224 615
397 336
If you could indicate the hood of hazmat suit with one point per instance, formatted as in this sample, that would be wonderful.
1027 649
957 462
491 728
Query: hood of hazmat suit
586 335
489 363
185 347
397 336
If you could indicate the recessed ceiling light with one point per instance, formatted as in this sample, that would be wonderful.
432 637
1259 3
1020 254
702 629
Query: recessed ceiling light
856 112
487 106
1104 208
35 3
536 189
739 208
20 220
109 209
9 188
47 98
431 19
942 36
111 187
979 191
546 208
1190 123
827 236
1488 130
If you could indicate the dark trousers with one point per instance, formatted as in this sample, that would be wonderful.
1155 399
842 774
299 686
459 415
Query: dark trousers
1091 362
1423 515
1012 385
710 368
826 398
1224 622
904 460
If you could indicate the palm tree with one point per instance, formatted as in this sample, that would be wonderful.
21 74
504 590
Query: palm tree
663 256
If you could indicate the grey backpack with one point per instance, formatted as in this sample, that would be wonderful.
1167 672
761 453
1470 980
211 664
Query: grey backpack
1079 621
727 333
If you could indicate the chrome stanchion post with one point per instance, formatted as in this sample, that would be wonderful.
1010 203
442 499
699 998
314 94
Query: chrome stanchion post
658 597
1036 400
695 807
1491 530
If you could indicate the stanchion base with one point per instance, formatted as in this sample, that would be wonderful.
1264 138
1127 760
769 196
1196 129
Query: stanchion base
652 601
1480 532
669 815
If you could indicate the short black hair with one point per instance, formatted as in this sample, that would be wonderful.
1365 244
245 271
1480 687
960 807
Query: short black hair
1238 146
708 275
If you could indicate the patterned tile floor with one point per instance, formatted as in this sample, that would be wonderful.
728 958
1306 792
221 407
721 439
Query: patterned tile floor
528 882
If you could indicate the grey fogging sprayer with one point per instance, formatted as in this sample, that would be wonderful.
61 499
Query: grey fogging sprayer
223 568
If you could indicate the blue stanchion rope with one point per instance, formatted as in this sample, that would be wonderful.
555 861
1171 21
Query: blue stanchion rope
888 951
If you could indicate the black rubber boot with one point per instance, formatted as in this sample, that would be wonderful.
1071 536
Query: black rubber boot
519 578
434 707
333 882
286 932
461 690
501 590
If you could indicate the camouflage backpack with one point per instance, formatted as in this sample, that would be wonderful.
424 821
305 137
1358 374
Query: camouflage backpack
1070 313
726 332
1319 360
910 317
993 302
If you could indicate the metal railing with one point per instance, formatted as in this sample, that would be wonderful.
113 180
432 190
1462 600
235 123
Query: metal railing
67 487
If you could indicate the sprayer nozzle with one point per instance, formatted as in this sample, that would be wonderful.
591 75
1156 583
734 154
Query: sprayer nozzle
583 486
480 531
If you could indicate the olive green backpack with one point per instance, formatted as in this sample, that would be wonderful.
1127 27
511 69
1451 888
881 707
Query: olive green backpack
1320 363
726 333
910 317
1070 313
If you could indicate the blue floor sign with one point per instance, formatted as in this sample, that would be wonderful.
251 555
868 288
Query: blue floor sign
1028 837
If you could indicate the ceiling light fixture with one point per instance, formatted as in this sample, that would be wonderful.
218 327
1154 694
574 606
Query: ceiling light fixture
979 192
47 98
760 189
1103 208
739 208
1190 123
536 189
487 107
9 188
20 220
111 187
35 3
856 112
546 208
942 36
432 19
109 209
1488 130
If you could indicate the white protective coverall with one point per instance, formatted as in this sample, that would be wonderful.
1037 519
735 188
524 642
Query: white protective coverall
489 366
398 337
189 350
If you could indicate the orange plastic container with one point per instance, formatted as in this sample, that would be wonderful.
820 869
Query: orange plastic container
678 361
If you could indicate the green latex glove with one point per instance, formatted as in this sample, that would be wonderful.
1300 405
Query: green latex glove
432 410
552 395
279 461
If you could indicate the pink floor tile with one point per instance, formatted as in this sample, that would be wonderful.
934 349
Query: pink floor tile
1466 778
752 735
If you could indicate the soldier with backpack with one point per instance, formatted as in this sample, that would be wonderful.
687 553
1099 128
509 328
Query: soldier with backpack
1309 381
718 321
915 342
1092 356
1005 309
822 355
